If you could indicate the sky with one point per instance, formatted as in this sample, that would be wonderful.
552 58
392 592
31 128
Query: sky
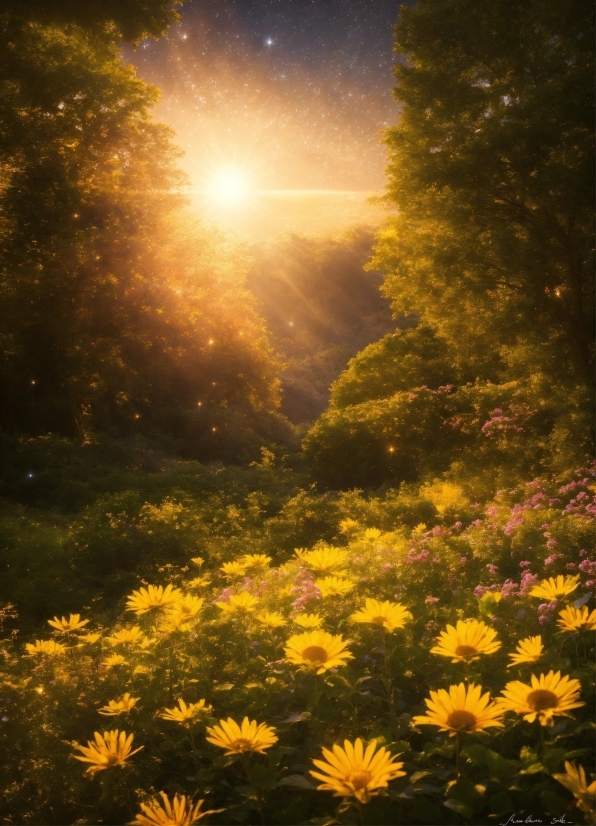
285 95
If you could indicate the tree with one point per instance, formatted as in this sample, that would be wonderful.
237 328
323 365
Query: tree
119 310
491 171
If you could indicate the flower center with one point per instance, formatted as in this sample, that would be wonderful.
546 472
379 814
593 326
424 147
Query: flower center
315 654
542 699
379 620
242 744
465 651
461 720
359 778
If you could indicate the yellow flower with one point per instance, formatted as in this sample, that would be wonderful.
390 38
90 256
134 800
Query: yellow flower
576 782
552 588
332 586
239 603
255 560
90 639
184 712
233 569
147 643
372 534
577 619
65 626
236 739
126 636
187 607
308 620
153 597
325 559
353 772
548 696
116 707
387 615
467 641
271 619
113 749
199 581
47 647
461 709
198 560
114 660
178 812
348 526
528 651
318 650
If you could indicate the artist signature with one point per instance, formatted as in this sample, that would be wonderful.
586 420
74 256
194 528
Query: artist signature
530 820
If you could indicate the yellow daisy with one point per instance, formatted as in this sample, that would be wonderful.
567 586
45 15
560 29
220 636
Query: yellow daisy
114 660
90 639
116 707
250 736
548 696
126 636
255 560
577 619
387 615
552 588
325 560
151 598
308 620
113 749
233 569
271 620
332 586
239 603
318 650
65 626
529 650
467 641
461 709
198 560
576 782
372 534
199 581
49 648
180 811
353 772
184 712
187 607
348 526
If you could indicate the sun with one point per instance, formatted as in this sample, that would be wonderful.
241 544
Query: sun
228 187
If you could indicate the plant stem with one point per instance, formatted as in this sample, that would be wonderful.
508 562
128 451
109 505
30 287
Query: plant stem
194 751
457 755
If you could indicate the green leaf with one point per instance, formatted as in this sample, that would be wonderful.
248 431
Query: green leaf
298 717
296 781
457 806
428 812
500 803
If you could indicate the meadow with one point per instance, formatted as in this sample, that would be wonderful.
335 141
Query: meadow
386 673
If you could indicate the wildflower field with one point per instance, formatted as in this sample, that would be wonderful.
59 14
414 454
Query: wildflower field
411 674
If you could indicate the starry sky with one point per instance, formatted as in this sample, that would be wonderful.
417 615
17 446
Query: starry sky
295 93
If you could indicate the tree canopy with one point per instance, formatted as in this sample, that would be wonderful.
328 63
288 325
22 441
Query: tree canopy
491 246
120 311
491 170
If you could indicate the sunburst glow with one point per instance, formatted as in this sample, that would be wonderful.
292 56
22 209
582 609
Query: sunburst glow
229 187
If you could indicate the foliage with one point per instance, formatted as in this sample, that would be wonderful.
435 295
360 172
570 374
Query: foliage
491 166
121 312
188 664
321 308
507 430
